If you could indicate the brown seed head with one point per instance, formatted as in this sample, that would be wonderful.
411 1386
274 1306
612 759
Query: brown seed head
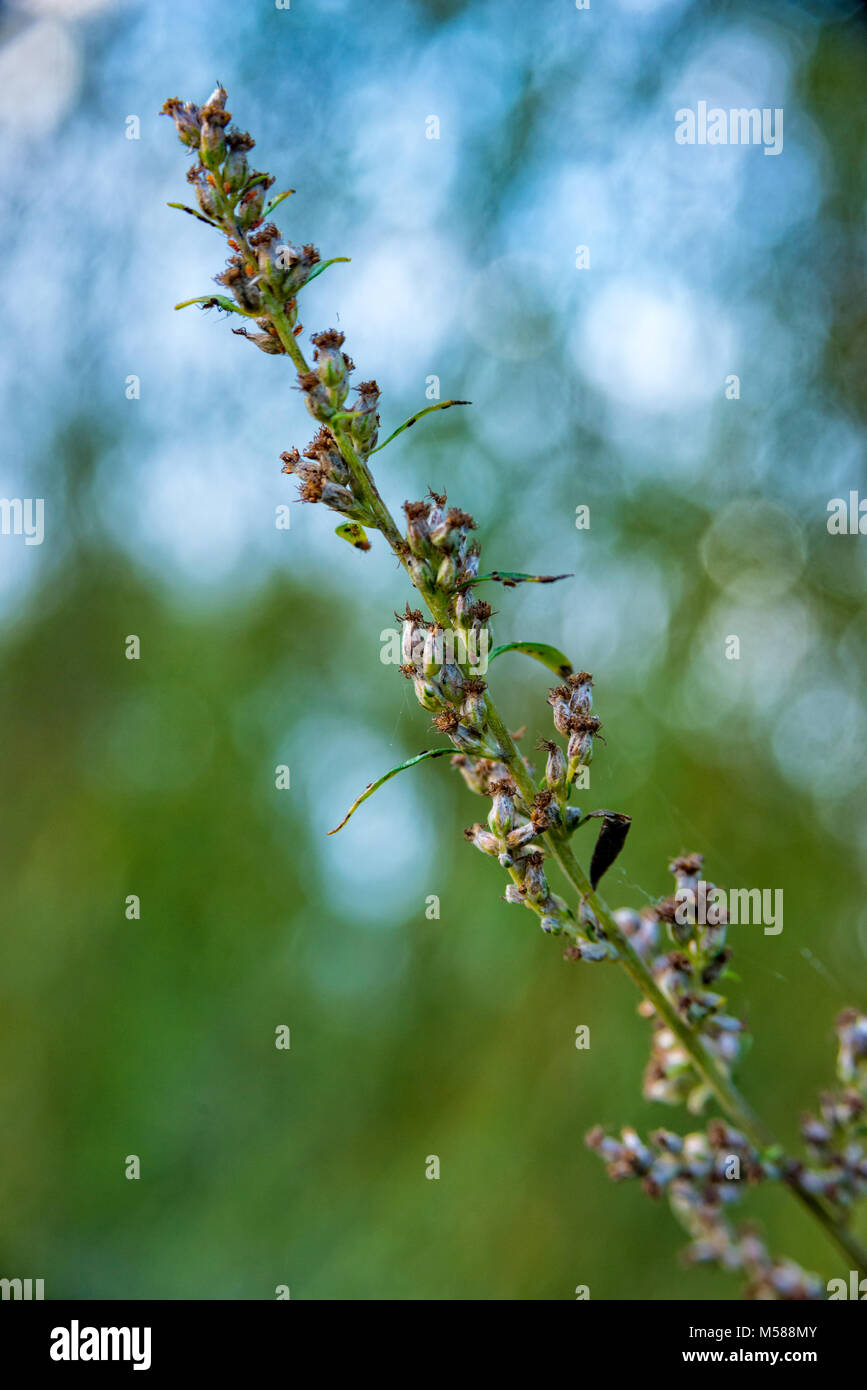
688 864
583 724
310 490
447 722
265 235
416 511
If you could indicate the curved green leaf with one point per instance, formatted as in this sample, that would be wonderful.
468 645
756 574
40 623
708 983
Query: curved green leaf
217 301
355 534
182 207
510 578
255 180
549 656
407 424
374 786
269 207
323 265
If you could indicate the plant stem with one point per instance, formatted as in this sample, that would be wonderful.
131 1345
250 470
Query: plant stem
732 1103
360 471
729 1097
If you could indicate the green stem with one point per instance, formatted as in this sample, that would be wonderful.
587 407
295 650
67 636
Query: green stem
729 1097
730 1100
365 486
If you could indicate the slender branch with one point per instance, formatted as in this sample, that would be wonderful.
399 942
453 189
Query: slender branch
367 489
730 1100
281 315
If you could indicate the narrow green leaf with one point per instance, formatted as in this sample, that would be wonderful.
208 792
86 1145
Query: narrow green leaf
269 207
355 534
539 651
374 786
182 207
511 577
217 301
407 424
323 265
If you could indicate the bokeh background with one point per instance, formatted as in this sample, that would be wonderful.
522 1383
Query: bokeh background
602 386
